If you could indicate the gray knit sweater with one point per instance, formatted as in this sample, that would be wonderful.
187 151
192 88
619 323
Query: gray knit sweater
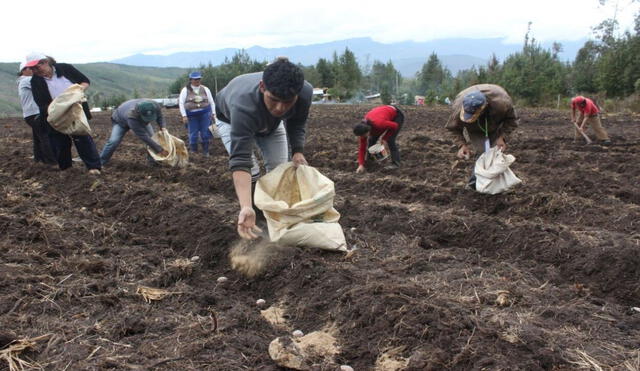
241 104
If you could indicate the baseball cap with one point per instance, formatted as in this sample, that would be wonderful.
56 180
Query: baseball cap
34 58
147 110
22 66
472 106
195 75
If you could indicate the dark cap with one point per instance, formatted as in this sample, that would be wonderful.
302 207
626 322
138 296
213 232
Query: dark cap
147 110
472 106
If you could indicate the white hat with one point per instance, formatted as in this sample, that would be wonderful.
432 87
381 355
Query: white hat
23 65
34 58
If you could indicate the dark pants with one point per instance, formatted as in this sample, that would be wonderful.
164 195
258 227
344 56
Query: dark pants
477 143
393 147
86 147
42 151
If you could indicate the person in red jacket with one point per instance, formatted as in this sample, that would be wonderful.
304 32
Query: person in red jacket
589 115
385 121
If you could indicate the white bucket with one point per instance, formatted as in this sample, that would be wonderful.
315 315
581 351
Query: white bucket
378 152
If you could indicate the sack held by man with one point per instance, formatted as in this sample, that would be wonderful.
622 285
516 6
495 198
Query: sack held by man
177 154
298 206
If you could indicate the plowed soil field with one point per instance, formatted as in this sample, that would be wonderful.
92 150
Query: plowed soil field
545 276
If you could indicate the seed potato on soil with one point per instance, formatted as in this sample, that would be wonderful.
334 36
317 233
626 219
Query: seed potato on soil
541 277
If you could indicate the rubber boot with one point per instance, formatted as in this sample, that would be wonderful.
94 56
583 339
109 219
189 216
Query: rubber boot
205 148
471 184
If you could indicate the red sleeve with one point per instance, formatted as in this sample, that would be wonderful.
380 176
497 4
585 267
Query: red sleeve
362 150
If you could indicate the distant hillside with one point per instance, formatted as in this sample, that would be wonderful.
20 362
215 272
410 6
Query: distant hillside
408 57
107 79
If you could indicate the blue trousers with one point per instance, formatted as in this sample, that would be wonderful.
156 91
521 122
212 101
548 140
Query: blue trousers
199 128
117 133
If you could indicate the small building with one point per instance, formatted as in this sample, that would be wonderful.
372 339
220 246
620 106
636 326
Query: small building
320 95
373 98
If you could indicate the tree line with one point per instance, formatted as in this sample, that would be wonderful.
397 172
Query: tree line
607 67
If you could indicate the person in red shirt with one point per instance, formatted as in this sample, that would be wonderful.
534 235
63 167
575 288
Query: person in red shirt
589 115
385 121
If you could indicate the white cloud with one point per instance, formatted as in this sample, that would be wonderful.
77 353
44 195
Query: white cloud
86 31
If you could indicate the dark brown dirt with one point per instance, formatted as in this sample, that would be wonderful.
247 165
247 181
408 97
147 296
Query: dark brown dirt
542 277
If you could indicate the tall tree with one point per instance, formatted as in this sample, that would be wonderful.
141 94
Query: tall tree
219 76
326 72
534 74
432 75
584 71
383 77
349 74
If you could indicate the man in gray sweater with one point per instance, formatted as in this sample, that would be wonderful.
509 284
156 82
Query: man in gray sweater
137 115
263 108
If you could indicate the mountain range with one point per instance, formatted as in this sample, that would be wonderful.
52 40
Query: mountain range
408 56
151 75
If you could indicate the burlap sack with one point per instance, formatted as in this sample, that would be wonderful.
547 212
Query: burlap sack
66 114
493 174
178 155
298 206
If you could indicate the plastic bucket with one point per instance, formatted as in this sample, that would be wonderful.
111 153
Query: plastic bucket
378 152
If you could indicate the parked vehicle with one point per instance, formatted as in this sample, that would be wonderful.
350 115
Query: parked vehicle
171 101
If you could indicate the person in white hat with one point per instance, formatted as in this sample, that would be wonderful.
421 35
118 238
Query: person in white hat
51 79
41 147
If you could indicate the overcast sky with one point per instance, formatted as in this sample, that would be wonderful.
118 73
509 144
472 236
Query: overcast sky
80 31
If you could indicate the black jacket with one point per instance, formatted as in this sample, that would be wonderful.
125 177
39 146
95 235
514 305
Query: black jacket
40 90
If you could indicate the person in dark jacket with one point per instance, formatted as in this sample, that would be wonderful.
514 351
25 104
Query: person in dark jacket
41 147
51 79
486 113
385 121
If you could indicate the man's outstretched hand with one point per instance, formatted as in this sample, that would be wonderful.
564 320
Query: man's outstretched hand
247 227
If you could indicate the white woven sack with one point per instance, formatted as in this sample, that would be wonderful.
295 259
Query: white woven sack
65 113
493 174
298 206
178 155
